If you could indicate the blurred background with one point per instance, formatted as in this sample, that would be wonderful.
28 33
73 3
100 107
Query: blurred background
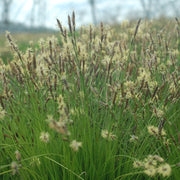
20 15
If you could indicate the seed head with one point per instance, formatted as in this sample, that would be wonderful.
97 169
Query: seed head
137 164
75 145
14 167
18 155
158 158
2 112
153 130
104 133
133 138
164 170
151 171
44 137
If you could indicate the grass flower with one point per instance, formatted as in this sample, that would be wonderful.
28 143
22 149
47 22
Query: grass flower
108 135
49 118
158 112
150 163
153 130
14 167
133 138
59 126
2 112
72 111
150 171
75 145
138 164
112 136
166 141
44 137
163 132
164 170
104 133
18 155
128 95
158 158
61 105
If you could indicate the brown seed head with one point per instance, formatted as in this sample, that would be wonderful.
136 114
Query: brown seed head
73 21
60 26
69 23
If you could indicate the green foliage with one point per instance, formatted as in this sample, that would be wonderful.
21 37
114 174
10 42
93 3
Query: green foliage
91 104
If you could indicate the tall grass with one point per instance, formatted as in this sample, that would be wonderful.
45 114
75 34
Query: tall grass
102 104
23 40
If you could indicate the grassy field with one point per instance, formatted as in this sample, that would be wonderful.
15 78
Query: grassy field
23 40
96 103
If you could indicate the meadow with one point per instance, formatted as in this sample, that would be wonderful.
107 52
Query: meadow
98 102
23 41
